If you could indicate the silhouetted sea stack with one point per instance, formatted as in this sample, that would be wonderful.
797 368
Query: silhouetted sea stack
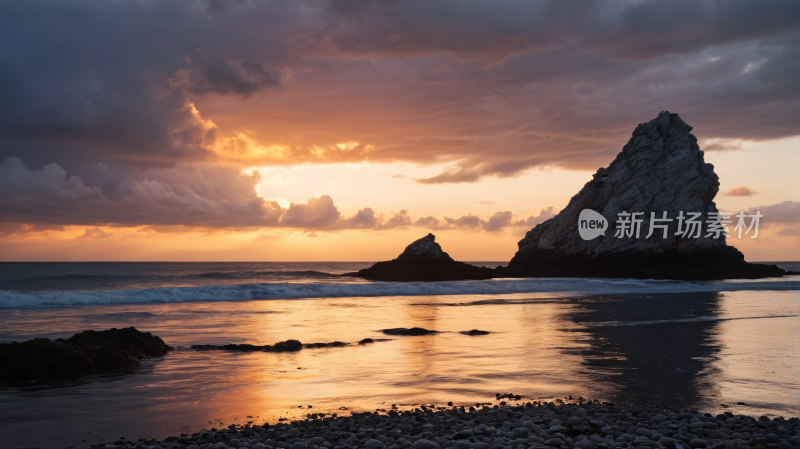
83 353
660 169
424 260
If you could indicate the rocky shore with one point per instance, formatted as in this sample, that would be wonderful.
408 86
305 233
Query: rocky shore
86 352
540 425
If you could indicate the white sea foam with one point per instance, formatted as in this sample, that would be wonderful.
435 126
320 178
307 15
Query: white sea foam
266 291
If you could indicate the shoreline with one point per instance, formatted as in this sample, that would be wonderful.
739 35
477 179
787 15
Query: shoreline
535 424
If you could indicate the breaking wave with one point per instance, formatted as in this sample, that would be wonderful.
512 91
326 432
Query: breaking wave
300 290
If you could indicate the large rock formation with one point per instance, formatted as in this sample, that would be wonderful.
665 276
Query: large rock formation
424 260
86 352
660 169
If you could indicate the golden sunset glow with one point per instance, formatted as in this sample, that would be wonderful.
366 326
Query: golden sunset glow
400 224
368 146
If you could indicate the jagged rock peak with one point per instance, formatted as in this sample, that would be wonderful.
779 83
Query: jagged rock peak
425 248
660 170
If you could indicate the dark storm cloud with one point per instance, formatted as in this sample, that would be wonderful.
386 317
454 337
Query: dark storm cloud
496 30
574 80
112 81
217 74
104 90
471 171
210 197
684 26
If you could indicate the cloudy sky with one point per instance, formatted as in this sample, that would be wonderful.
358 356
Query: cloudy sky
344 129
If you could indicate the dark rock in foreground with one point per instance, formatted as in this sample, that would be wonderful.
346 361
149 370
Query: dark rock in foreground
408 332
424 260
335 344
660 169
283 346
532 425
86 352
475 332
367 341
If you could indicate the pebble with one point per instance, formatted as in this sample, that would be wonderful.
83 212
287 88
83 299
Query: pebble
658 419
667 442
695 443
463 435
425 444
575 420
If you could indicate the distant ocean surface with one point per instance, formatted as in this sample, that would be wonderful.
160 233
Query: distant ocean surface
54 284
712 346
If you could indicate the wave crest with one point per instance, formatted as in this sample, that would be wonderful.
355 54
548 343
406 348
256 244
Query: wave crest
300 290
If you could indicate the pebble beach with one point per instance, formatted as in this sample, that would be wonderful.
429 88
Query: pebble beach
538 425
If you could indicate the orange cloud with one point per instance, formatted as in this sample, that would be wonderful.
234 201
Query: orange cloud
740 191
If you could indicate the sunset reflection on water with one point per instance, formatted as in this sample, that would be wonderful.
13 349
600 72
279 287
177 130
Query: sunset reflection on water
672 349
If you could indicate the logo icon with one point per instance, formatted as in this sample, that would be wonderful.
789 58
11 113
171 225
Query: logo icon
591 224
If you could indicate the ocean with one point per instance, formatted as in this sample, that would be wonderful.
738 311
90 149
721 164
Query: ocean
712 346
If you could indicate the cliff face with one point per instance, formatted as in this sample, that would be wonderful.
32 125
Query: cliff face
661 169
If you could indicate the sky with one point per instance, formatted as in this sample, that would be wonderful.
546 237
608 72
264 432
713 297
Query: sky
310 130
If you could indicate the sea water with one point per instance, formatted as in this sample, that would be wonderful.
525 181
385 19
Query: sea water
711 346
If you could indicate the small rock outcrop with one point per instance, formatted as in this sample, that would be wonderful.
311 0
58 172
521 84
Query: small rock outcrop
424 260
414 331
660 169
475 332
86 352
282 346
